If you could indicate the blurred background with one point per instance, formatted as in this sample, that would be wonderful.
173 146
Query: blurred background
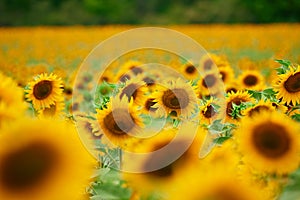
97 12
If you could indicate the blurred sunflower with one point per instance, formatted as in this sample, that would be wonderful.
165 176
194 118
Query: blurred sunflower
231 87
269 142
206 64
55 110
288 86
42 163
176 96
189 71
10 93
134 66
231 100
252 80
259 107
44 90
227 74
148 106
210 83
215 183
120 122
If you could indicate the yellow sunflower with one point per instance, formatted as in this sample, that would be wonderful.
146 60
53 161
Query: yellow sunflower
167 178
10 93
120 122
208 112
206 64
55 110
176 96
134 66
227 74
252 80
234 98
216 183
134 88
259 107
44 90
189 71
42 163
210 83
232 87
269 142
288 86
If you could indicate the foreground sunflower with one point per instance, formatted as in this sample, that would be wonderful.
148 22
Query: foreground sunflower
44 90
10 93
269 142
252 80
42 163
120 122
288 86
177 97
208 112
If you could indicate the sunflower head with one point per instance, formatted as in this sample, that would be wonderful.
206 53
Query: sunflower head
269 142
288 86
44 90
251 79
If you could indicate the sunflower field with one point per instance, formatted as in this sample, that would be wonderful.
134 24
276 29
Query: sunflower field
154 125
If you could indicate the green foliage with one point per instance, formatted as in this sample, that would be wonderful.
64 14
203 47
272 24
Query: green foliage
291 191
285 66
108 186
222 130
268 93
90 12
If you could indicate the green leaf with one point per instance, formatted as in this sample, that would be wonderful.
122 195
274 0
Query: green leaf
285 66
296 117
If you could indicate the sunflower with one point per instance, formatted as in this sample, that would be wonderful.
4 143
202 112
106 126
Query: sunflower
288 86
259 107
206 64
224 187
8 113
44 90
120 122
42 163
227 74
10 93
177 97
210 84
55 110
252 80
234 98
190 71
269 142
164 148
134 88
232 87
208 112
133 66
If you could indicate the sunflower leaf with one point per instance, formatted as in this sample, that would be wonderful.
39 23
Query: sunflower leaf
296 117
284 66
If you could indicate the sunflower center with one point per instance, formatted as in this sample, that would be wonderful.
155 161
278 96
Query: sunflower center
149 103
208 64
42 89
223 75
190 69
250 80
119 122
149 81
210 112
258 109
130 91
176 99
209 81
231 89
124 78
224 194
271 140
27 167
292 84
136 70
